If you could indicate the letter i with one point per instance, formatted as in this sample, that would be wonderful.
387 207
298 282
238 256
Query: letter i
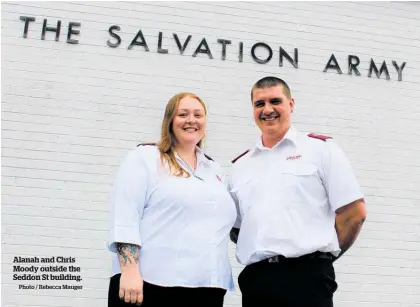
241 51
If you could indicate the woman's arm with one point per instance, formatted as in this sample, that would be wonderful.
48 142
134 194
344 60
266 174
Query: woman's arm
127 202
131 282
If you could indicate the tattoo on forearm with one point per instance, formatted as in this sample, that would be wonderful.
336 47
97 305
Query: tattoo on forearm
129 253
349 232
348 223
351 235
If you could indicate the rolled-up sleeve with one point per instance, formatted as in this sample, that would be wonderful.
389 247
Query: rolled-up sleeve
127 201
339 179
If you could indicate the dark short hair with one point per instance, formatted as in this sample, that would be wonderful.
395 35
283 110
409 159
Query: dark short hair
271 82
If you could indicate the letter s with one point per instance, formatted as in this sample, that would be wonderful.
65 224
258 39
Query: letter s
114 35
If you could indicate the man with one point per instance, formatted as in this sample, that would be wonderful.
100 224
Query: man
299 208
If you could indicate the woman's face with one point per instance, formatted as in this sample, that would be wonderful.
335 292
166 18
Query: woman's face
189 123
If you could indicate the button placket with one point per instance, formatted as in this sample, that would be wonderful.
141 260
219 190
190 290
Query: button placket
188 168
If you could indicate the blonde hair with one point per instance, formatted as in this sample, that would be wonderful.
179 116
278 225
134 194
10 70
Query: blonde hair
168 140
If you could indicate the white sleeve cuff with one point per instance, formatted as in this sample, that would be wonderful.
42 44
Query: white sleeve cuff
123 234
347 199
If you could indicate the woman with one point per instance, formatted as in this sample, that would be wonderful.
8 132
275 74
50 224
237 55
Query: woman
170 218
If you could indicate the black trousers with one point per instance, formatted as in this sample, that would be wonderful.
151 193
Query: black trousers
157 296
291 282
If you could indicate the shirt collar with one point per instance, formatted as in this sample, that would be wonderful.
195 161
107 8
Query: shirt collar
201 158
291 135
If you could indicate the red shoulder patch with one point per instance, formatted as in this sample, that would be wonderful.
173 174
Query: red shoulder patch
147 144
240 156
319 136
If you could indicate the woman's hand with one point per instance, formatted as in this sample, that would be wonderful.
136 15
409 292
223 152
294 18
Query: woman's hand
131 287
131 282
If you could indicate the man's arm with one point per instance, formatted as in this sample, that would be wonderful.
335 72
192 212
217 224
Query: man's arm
348 222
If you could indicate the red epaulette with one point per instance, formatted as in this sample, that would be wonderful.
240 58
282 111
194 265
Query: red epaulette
240 156
319 136
208 157
146 144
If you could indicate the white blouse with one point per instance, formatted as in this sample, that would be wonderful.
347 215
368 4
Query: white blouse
181 224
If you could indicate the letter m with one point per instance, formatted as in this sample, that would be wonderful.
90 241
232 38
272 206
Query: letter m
378 74
16 268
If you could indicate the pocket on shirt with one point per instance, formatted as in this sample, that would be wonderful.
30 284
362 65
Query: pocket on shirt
297 180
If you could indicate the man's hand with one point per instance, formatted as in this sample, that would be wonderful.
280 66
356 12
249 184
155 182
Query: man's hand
131 283
348 222
234 234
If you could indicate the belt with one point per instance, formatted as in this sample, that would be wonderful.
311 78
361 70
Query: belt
315 255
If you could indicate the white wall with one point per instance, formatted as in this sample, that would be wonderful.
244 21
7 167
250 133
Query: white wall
71 112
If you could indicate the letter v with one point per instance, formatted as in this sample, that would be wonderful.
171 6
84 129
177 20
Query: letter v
182 48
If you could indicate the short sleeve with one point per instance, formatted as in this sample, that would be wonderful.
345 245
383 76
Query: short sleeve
127 201
235 200
338 177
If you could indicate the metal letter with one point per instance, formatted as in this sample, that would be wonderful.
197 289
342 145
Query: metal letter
51 29
334 65
71 31
142 43
27 20
241 52
178 43
294 62
353 66
160 50
206 49
270 53
114 35
378 73
224 42
399 69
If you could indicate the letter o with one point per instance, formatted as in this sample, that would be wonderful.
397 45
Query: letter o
270 53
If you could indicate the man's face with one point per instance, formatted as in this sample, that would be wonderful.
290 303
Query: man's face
272 109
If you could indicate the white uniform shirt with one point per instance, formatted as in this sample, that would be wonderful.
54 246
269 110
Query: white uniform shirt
287 196
181 224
